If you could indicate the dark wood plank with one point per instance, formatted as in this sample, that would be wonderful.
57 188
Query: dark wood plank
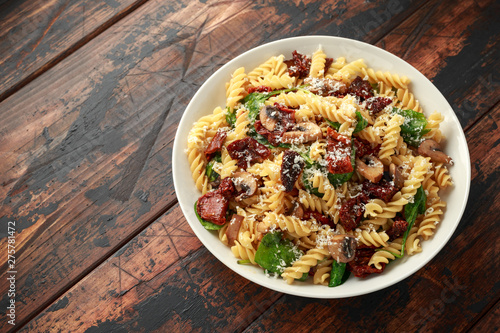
89 167
34 35
456 46
490 322
165 278
162 281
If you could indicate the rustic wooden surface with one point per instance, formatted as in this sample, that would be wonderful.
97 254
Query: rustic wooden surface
90 99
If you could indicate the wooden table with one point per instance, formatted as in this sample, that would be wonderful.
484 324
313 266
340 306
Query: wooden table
90 98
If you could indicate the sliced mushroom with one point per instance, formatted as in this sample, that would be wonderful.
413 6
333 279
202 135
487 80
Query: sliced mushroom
245 184
296 210
370 167
342 248
302 133
268 116
430 148
233 228
396 176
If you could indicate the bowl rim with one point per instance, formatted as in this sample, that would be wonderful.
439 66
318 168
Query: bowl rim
301 289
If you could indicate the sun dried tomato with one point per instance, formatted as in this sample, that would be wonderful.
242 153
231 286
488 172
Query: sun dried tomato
260 89
323 219
383 190
328 63
227 188
351 212
377 104
212 207
291 168
338 152
299 65
248 151
359 266
360 88
216 144
398 228
364 147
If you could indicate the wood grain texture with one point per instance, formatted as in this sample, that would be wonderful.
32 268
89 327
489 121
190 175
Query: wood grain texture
88 167
163 280
490 322
457 48
35 35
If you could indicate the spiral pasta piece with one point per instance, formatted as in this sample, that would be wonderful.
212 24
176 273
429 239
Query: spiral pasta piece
318 64
390 141
235 88
372 238
442 175
386 253
274 65
387 78
304 264
322 273
293 225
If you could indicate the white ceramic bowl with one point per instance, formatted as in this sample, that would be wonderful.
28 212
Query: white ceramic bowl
212 94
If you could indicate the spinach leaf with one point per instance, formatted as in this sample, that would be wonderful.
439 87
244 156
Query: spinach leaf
209 170
230 117
375 87
335 125
275 254
303 277
412 210
306 174
206 224
337 179
362 123
413 128
339 274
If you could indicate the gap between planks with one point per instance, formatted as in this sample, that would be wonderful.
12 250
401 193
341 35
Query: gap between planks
70 50
96 264
483 314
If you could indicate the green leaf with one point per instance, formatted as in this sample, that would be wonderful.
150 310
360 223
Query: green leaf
413 128
412 210
230 117
275 253
304 277
375 87
338 274
206 224
335 125
243 262
337 179
306 174
362 123
209 171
